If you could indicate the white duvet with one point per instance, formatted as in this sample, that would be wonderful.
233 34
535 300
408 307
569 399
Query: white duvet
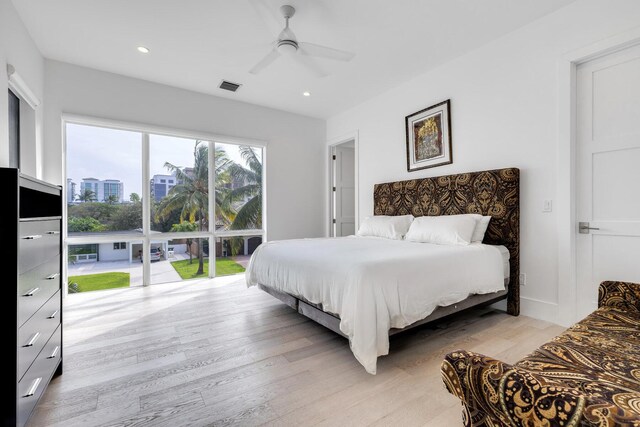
376 284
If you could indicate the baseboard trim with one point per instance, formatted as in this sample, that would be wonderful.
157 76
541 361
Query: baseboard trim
535 308
538 309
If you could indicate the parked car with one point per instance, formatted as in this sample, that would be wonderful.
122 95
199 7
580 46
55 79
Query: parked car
155 254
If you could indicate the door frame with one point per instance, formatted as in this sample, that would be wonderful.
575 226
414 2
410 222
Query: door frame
566 172
331 144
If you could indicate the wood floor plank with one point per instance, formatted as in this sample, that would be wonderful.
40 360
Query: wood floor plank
214 353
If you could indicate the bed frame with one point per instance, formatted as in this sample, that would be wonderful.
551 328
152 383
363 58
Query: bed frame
493 192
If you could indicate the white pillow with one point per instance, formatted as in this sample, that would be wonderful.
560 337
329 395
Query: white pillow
442 230
482 223
390 227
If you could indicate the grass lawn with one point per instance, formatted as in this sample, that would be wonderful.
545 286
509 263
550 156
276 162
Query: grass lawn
96 282
224 267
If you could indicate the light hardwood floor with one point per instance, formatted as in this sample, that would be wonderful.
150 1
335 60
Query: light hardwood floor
217 353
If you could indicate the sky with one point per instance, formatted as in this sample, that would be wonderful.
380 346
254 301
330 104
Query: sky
101 153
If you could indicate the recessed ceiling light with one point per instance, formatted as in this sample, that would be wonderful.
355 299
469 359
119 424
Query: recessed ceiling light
306 93
143 49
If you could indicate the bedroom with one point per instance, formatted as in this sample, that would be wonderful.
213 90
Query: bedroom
212 351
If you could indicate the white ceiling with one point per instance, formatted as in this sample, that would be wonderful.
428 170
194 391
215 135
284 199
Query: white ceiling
197 43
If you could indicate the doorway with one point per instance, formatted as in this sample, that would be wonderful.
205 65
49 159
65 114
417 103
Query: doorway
607 155
343 189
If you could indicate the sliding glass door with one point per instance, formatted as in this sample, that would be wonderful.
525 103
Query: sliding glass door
148 207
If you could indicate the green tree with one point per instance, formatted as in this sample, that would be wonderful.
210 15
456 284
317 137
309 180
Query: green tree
100 211
224 211
112 199
190 196
84 225
127 217
249 216
134 197
87 195
186 227
163 223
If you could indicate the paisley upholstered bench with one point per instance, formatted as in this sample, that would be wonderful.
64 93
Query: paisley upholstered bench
588 376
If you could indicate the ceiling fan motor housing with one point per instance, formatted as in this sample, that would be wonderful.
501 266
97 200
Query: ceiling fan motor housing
287 46
287 11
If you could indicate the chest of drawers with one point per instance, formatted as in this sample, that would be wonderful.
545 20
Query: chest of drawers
32 249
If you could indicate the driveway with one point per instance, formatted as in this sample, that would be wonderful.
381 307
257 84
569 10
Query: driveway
161 271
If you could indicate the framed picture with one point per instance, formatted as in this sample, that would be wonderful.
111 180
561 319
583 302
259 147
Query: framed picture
429 137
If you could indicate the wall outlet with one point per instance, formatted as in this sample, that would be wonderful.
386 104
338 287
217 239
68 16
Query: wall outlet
547 206
523 279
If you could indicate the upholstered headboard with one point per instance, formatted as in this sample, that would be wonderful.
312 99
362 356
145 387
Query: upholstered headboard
493 192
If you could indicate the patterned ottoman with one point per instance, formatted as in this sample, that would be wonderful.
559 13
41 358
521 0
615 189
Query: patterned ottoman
588 376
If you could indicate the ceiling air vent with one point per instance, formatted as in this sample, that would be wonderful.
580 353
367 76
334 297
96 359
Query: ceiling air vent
229 86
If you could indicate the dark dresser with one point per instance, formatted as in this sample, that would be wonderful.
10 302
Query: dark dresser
31 251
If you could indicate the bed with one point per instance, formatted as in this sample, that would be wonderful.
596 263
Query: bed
368 288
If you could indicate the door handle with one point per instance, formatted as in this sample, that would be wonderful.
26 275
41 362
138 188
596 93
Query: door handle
33 388
583 228
54 353
31 292
33 237
33 340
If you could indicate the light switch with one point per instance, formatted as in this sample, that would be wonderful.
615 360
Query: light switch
547 206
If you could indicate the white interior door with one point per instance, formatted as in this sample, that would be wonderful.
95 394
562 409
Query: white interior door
608 173
344 202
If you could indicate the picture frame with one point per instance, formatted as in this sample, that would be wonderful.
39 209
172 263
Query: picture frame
429 137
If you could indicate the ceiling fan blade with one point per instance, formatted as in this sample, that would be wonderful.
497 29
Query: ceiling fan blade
311 49
265 62
311 66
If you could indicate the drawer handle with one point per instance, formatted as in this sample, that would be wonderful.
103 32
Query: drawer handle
54 353
33 388
31 293
53 315
52 232
33 340
33 237
52 276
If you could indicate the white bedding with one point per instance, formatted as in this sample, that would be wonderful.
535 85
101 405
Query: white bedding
376 284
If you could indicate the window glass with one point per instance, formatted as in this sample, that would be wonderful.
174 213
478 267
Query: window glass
104 196
100 266
183 207
104 180
238 187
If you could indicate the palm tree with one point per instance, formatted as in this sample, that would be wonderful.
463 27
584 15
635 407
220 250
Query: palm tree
182 227
111 199
224 211
190 196
87 196
249 193
249 216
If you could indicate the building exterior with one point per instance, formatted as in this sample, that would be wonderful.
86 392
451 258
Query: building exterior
103 189
160 186
71 191
121 251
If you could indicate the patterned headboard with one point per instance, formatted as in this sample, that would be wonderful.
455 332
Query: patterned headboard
493 192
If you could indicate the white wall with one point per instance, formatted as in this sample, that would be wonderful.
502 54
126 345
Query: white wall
295 171
504 113
17 49
107 253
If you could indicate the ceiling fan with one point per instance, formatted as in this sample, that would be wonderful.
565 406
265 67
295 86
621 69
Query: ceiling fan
303 52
